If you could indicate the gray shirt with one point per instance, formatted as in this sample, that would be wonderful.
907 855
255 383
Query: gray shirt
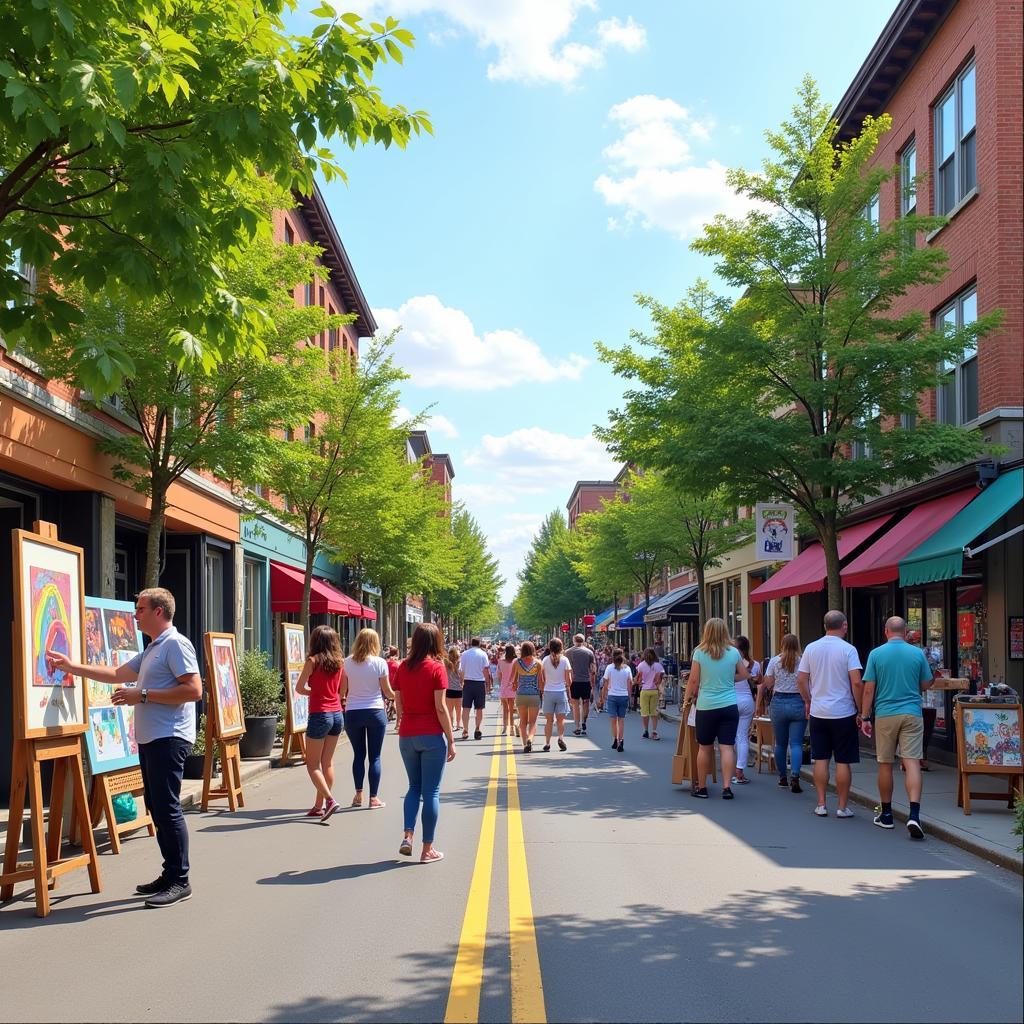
158 667
582 660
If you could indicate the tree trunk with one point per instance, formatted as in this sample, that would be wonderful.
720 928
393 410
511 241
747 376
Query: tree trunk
157 512
307 586
385 618
702 605
830 542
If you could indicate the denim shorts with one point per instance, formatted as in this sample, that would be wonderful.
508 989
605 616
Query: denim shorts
618 705
324 723
554 702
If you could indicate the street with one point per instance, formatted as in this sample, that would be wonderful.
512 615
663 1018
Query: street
646 904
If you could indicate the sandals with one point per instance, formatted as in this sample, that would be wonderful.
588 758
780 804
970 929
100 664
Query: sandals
376 804
357 801
406 848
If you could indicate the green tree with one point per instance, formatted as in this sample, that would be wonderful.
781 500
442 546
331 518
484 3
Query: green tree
770 394
556 592
472 601
126 129
187 418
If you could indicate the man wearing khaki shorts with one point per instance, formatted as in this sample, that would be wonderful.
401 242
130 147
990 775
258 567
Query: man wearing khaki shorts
895 675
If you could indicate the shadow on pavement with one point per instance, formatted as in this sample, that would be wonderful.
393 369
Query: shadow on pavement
338 872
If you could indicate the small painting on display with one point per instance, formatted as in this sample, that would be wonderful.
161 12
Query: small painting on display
222 678
992 736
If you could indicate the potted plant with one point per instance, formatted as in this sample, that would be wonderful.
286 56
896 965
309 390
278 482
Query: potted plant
260 686
195 760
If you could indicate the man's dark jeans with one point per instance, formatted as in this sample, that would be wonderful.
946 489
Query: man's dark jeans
163 763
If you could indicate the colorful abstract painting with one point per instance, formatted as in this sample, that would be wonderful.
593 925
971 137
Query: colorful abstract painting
299 703
50 610
95 644
120 629
226 677
992 737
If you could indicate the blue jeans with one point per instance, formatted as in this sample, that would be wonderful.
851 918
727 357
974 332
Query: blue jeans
365 729
162 763
425 758
789 723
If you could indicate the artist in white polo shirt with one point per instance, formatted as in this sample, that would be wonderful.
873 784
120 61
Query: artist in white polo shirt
165 726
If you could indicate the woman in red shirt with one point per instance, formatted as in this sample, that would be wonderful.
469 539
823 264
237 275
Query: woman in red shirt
424 734
320 681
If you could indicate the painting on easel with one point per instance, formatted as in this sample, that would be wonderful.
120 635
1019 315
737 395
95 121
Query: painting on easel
111 638
227 698
49 615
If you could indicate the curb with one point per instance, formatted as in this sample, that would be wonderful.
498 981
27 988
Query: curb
994 855
251 770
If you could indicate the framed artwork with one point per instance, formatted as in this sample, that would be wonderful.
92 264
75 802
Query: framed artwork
49 614
111 638
1016 637
222 679
989 736
293 644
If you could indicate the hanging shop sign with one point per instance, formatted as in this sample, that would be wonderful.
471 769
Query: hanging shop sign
774 529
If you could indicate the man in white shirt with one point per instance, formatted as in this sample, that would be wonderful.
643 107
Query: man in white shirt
829 679
473 667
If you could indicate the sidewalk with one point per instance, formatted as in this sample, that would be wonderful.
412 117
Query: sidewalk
986 832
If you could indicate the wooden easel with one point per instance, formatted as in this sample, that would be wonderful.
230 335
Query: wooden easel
104 788
230 788
1014 775
294 739
294 743
28 756
684 761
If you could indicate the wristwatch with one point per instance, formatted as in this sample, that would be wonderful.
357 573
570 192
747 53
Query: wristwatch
145 696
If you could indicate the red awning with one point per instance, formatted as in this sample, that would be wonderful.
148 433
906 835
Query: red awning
880 563
806 573
368 613
286 594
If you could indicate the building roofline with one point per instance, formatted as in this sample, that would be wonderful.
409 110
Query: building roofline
580 484
335 258
444 457
902 41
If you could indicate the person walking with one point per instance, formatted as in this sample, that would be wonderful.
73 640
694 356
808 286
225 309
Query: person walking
169 684
453 695
787 710
364 687
584 674
556 675
474 667
506 691
890 704
650 672
745 706
320 681
526 683
716 670
425 736
829 679
615 690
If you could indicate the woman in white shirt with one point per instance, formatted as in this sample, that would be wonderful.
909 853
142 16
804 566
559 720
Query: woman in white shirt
615 690
555 679
745 706
363 689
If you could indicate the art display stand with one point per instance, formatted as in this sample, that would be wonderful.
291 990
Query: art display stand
684 762
104 788
230 788
1013 774
764 744
294 743
293 652
28 757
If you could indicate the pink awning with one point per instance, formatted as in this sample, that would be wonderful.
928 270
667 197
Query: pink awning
806 574
286 586
367 613
881 562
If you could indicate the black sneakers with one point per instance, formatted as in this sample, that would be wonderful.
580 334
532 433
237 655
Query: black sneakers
561 744
619 746
478 735
148 888
915 829
174 893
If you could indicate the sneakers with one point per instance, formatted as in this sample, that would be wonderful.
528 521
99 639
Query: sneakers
883 819
478 735
547 748
331 808
844 812
148 888
794 786
561 744
615 744
783 782
727 794
576 732
619 747
176 892
915 829
821 811
583 731
700 794
646 736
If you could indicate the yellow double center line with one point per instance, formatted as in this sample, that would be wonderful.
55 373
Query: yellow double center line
525 977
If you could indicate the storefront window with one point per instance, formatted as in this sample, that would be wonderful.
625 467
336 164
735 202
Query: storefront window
970 631
717 602
734 606
252 605
214 592
926 627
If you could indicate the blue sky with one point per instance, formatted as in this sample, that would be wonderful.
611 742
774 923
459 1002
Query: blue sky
579 146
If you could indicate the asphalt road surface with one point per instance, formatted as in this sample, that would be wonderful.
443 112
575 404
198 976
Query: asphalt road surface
577 886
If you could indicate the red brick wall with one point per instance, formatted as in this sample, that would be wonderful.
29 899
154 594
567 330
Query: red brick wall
984 240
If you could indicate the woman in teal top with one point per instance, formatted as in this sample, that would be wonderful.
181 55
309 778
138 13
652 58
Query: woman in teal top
717 668
528 689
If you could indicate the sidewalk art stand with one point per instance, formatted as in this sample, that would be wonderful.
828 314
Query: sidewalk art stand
51 713
225 721
684 762
112 638
293 648
988 742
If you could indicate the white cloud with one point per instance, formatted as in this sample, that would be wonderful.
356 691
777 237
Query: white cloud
532 454
439 347
630 35
653 178
435 424
531 37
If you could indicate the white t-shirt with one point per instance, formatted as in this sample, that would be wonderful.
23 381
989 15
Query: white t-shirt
364 683
554 675
474 664
829 662
619 680
743 688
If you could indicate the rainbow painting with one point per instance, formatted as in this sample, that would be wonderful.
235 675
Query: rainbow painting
50 595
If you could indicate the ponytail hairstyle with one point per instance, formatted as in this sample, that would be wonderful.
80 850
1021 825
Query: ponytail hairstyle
325 650
742 644
555 647
510 652
618 657
650 656
453 659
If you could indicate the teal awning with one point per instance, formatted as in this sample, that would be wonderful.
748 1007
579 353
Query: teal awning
941 556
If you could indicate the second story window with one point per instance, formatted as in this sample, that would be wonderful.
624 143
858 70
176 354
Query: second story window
908 185
862 449
289 234
332 339
957 395
871 212
955 143
310 296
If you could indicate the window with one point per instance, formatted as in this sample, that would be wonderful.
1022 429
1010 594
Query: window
214 591
310 430
734 606
289 234
310 295
717 601
25 271
862 449
957 395
955 143
908 184
252 605
332 336
871 211
322 303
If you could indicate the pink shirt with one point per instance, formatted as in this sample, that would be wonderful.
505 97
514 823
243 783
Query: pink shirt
647 673
505 677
